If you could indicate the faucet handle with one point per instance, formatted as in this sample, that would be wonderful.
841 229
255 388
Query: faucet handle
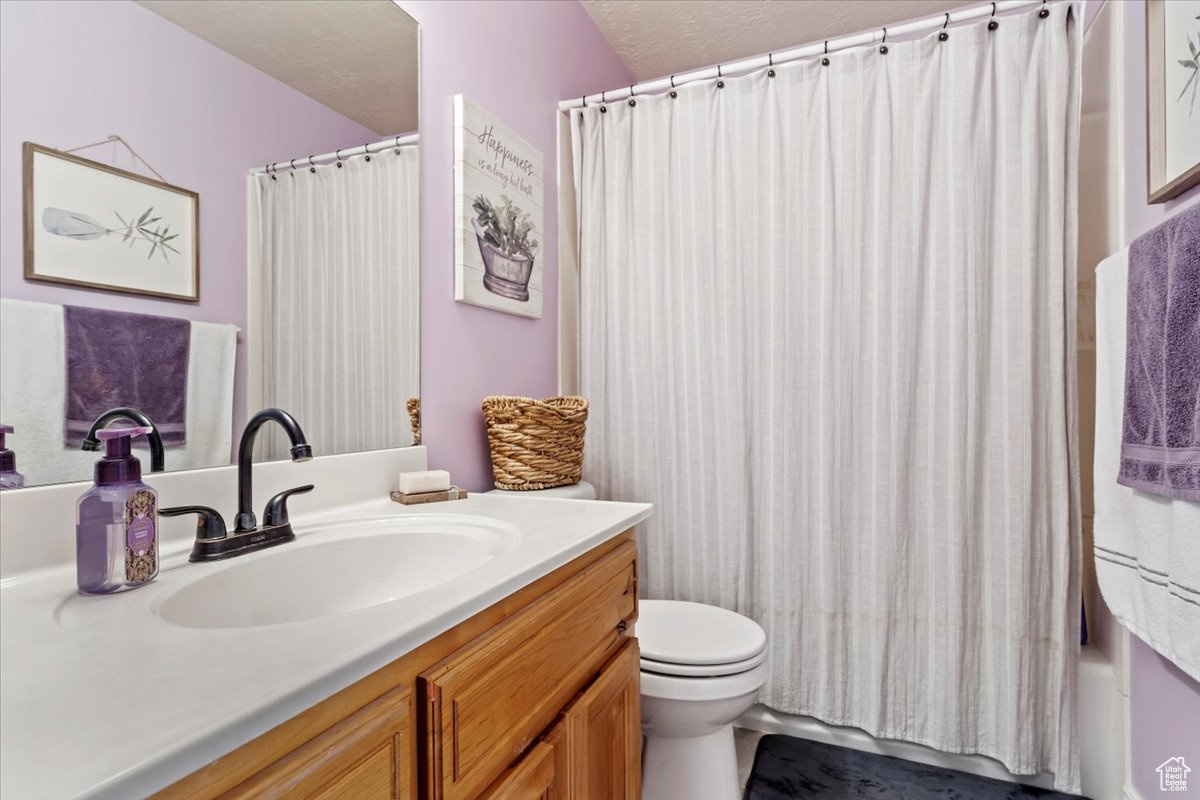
209 523
276 512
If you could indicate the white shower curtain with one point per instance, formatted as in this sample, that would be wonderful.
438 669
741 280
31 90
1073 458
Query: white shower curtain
338 253
826 328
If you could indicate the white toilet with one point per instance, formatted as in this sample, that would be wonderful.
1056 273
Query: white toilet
702 668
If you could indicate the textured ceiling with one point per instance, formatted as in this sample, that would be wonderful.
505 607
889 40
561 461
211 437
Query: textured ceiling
359 57
656 38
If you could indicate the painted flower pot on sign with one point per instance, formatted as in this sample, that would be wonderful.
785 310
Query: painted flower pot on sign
505 275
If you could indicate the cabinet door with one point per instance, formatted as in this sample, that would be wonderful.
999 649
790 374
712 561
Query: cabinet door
363 757
600 739
488 702
531 779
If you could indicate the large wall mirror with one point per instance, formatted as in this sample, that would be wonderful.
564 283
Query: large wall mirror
208 207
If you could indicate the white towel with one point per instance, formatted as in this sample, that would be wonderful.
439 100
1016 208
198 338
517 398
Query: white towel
33 396
1147 547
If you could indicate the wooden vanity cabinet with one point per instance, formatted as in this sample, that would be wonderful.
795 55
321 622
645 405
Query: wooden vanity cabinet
536 696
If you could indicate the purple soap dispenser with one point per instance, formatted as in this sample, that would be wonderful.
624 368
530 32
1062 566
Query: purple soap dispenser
116 521
9 477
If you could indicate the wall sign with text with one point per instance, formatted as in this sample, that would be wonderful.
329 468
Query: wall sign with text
498 214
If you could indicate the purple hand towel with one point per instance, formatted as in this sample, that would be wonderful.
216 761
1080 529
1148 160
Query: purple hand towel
120 359
1160 442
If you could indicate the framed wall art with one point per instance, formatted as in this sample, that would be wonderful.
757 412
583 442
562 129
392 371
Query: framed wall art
498 214
1172 98
94 225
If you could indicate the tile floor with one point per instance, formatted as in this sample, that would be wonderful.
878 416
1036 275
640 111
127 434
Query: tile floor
746 742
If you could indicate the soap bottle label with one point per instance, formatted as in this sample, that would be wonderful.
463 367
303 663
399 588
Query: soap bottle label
141 528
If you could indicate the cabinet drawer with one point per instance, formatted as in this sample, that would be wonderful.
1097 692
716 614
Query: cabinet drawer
488 701
363 757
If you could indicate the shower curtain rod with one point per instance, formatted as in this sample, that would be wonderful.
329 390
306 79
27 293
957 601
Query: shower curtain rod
407 140
803 51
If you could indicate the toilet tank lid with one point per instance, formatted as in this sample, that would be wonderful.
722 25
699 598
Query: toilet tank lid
679 632
576 491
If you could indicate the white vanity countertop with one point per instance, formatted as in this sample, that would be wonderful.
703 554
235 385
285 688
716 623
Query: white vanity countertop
114 702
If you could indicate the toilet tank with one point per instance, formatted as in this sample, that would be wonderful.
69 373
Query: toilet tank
576 491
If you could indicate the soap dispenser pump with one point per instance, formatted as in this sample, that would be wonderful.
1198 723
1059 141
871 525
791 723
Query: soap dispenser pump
9 477
116 521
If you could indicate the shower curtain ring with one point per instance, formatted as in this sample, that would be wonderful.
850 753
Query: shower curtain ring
825 58
720 83
771 65
883 44
604 102
397 145
368 152
992 23
292 168
311 168
943 36
268 169
674 93
632 102
337 154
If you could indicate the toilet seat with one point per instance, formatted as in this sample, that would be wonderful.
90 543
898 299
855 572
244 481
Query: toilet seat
696 640
703 670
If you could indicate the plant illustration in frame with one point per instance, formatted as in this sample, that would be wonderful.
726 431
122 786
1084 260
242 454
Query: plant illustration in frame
1172 97
1192 64
83 228
79 229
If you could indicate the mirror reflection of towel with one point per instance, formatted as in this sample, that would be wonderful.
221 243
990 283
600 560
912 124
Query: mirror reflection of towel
121 359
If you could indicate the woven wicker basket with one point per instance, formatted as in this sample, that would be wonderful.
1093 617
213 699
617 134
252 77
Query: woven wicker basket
536 444
414 418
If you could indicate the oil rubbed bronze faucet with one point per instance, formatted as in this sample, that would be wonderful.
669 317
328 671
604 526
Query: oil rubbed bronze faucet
92 443
301 451
213 541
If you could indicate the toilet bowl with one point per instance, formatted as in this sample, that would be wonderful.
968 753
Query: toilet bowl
702 668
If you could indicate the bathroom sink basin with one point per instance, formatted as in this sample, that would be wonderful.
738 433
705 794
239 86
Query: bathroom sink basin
335 569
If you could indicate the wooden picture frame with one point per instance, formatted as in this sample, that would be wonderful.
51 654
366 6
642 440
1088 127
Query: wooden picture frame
152 247
1167 129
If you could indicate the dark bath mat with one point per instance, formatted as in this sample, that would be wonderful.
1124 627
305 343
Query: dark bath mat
787 768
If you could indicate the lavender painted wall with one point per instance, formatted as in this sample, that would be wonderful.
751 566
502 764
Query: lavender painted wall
73 73
517 59
1164 703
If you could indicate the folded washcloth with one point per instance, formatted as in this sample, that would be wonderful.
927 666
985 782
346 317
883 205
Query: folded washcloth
120 359
1160 442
